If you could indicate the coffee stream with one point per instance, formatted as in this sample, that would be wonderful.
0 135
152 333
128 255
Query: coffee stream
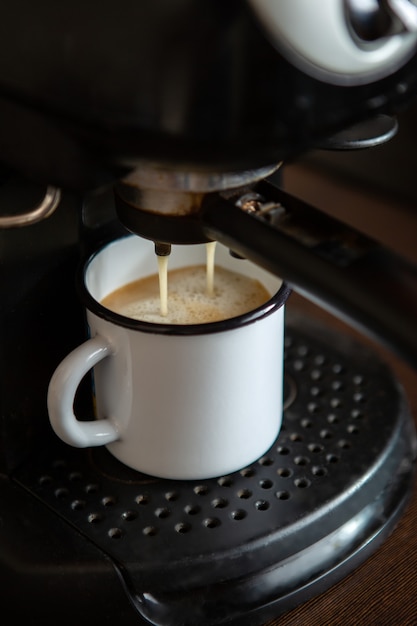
163 275
210 253
163 283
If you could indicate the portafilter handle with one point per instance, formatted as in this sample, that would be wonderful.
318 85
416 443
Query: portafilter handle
327 261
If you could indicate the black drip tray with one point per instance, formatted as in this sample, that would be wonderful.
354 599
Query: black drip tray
246 547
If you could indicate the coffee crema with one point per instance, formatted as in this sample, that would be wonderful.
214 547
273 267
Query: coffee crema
188 300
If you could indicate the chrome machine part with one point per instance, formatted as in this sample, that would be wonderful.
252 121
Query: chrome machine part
40 212
348 42
169 190
164 204
362 135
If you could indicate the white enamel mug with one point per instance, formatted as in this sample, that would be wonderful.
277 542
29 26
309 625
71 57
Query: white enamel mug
174 401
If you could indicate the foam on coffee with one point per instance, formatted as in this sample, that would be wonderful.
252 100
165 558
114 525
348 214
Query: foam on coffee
188 301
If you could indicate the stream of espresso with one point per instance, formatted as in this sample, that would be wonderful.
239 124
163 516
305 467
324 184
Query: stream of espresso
163 275
210 254
163 283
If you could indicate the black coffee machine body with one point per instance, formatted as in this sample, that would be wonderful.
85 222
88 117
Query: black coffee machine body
108 110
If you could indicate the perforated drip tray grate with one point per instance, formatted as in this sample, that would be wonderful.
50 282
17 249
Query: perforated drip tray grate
248 546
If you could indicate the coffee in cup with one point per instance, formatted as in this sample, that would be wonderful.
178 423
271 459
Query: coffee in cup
188 299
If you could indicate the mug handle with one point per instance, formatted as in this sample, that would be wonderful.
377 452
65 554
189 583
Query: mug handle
61 394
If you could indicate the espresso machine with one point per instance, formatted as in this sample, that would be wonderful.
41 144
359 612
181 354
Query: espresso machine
173 120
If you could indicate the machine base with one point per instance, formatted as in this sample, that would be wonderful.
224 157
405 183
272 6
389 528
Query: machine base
84 537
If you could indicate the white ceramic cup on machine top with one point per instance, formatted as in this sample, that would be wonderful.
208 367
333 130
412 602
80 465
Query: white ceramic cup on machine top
174 401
